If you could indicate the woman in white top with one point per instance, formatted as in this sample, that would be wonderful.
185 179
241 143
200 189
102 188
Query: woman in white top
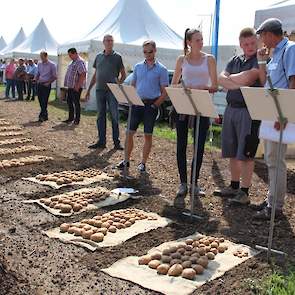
198 71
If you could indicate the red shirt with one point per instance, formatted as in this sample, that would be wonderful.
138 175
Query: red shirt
9 71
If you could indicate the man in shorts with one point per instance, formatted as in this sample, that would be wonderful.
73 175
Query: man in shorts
239 132
150 78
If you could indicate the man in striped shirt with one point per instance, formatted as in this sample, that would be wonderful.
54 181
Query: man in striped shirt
75 81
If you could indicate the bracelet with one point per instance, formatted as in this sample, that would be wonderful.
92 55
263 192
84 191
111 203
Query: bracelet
262 62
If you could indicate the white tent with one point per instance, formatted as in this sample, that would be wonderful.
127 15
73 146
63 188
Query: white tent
18 39
130 22
3 43
40 39
283 10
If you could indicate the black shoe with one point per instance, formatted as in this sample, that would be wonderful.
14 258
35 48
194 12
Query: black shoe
33 98
265 214
118 147
179 202
259 207
97 145
27 98
76 122
123 164
67 121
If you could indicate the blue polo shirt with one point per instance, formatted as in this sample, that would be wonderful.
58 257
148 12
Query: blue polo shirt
149 79
282 64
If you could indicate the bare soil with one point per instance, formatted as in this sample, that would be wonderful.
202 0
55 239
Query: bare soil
31 263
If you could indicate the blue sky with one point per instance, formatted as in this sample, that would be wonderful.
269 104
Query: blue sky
69 20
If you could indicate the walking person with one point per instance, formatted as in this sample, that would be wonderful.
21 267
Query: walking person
75 81
19 77
46 75
31 73
9 76
198 71
149 78
281 70
237 128
108 67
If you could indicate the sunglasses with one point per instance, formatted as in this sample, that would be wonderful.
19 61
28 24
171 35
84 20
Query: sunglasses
148 52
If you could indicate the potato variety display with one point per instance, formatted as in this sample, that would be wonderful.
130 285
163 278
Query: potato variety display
66 177
14 141
186 259
11 133
99 226
21 149
10 128
23 161
241 253
3 122
76 201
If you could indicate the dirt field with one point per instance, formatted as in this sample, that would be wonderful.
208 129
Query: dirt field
31 263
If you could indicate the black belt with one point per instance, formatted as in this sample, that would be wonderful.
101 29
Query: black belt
149 101
237 106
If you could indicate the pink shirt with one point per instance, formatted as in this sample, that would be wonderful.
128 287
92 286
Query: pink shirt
9 71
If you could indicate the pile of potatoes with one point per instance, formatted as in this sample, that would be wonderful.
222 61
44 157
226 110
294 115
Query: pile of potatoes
4 122
99 226
23 161
11 133
10 128
76 201
14 141
241 253
186 259
20 149
66 177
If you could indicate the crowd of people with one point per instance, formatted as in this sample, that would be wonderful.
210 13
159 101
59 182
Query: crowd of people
266 52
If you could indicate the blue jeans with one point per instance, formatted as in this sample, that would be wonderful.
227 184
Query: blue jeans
104 97
10 83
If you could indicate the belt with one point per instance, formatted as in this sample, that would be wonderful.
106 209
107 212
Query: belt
149 100
238 106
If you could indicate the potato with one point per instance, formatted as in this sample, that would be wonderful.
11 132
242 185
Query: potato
102 230
188 247
156 256
202 251
112 229
196 244
186 264
166 251
65 208
98 237
188 253
175 270
52 204
221 240
214 245
214 251
185 258
203 261
206 243
194 260
181 250
87 227
211 239
97 223
87 234
173 249
188 273
210 255
47 202
199 269
175 261
221 249
196 254
71 229
120 225
77 207
207 248
64 227
166 258
176 255
105 224
144 260
128 224
163 269
154 264
78 231
189 241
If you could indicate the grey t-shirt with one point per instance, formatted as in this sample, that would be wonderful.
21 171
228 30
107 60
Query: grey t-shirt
107 69
237 65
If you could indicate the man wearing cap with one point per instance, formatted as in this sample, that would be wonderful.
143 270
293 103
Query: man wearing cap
280 67
239 133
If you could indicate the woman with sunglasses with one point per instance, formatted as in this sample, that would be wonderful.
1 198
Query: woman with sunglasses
197 70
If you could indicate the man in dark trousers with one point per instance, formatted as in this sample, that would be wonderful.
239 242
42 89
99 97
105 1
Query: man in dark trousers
108 67
75 81
46 74
19 77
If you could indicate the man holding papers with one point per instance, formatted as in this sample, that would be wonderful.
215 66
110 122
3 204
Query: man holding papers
281 70
150 78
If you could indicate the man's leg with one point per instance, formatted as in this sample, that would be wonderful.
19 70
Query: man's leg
8 86
29 89
114 111
19 86
40 94
76 98
46 94
13 88
247 168
70 99
101 116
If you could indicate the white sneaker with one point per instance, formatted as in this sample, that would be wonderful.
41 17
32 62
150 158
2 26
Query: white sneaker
141 168
182 190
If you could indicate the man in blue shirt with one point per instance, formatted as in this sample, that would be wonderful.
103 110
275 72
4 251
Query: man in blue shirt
31 73
281 69
150 78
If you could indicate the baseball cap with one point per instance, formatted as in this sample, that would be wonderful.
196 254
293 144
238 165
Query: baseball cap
269 25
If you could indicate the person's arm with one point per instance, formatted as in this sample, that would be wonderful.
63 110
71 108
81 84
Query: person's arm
82 76
262 57
178 70
213 74
122 75
245 78
92 83
226 82
134 77
164 81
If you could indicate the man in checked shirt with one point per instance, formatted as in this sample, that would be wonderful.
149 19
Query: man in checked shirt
75 81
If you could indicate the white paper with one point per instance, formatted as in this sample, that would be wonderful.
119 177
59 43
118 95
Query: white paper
201 98
130 92
124 190
268 132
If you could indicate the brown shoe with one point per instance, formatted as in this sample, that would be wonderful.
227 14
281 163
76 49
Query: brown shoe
227 192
